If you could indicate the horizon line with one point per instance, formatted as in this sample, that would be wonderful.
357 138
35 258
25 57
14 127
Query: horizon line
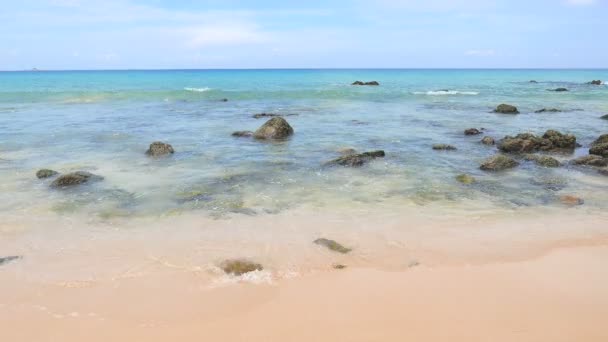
298 68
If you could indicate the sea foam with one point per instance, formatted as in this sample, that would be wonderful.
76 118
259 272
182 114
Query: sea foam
197 90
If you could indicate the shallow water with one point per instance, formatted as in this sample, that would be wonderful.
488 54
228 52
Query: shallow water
102 122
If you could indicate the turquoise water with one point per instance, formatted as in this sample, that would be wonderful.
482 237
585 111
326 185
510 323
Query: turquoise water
103 121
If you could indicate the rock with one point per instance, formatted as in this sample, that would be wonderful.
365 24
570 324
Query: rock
159 148
506 109
498 162
550 182
591 161
372 83
541 160
240 266
472 131
223 100
242 134
465 179
74 178
604 117
548 110
596 82
338 266
275 128
488 141
46 173
332 245
347 151
355 160
558 89
571 200
551 141
601 140
603 172
600 150
444 147
533 81
7 259
264 115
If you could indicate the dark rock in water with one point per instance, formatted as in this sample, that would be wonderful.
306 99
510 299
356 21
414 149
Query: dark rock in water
444 147
46 173
533 81
242 134
275 128
506 109
591 161
558 89
7 259
604 117
74 178
545 161
224 100
355 160
596 82
472 131
332 245
548 110
603 139
159 148
372 83
551 141
240 266
465 179
498 163
599 150
488 141
571 200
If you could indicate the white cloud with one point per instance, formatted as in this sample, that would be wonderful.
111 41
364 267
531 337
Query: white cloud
480 53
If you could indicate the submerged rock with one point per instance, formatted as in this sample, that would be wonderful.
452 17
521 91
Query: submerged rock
239 266
444 147
550 182
242 134
355 160
596 82
571 200
472 131
541 160
159 148
604 117
551 141
46 173
332 245
558 89
506 109
498 162
488 141
74 178
591 161
7 259
548 110
371 83
465 179
275 128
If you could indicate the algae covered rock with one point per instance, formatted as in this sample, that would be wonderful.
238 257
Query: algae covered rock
541 160
239 266
74 178
159 148
506 109
498 162
600 150
591 160
332 245
601 140
444 147
551 141
488 141
46 173
548 110
472 131
356 160
275 128
465 179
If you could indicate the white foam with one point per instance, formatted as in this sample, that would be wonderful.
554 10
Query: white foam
445 92
197 90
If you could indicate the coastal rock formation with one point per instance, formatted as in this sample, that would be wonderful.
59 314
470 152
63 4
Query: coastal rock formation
548 110
600 146
551 141
74 178
488 141
472 131
465 179
240 266
159 148
571 200
355 160
602 139
242 134
371 83
541 160
498 162
444 147
591 161
332 245
46 173
596 82
275 128
7 259
506 109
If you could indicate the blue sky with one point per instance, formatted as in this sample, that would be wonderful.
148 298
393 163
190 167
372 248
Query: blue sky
157 34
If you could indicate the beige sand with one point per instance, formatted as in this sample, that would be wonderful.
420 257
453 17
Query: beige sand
561 296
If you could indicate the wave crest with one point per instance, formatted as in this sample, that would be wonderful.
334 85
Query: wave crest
197 90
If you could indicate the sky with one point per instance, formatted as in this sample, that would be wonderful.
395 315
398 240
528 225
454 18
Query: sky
190 34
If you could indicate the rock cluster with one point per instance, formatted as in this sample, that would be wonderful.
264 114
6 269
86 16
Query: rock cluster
551 141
